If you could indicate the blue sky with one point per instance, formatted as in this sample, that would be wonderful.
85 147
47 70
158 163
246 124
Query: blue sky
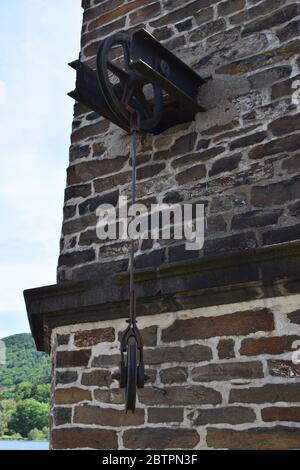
37 40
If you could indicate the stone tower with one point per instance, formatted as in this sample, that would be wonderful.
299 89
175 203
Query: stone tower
221 324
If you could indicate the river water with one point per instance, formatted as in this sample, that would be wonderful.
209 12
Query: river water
24 445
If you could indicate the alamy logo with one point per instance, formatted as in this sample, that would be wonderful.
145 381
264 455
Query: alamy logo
2 353
160 221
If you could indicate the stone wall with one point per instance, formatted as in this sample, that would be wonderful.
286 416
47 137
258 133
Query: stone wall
219 377
240 158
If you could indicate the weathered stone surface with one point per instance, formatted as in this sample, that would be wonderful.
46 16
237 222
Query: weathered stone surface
294 209
149 335
150 260
276 18
111 182
238 323
283 88
160 438
79 224
165 415
230 415
79 151
76 257
69 212
104 30
294 317
208 29
65 359
256 62
231 6
148 12
193 353
91 204
289 31
62 340
101 378
86 171
291 142
226 349
281 368
216 224
276 193
78 438
277 438
101 9
149 171
113 396
258 218
195 173
180 395
228 371
184 25
62 416
71 395
268 345
276 413
292 165
88 414
91 337
66 377
266 78
248 140
281 235
181 13
210 153
231 243
256 11
106 360
104 17
174 375
89 131
270 393
225 164
80 190
285 125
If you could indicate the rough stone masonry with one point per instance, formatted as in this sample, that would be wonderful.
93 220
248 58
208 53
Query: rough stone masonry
221 324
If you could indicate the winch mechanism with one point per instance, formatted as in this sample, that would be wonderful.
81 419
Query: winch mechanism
138 85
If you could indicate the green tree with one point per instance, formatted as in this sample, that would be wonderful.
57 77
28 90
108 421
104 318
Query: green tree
36 435
7 407
42 393
23 391
28 415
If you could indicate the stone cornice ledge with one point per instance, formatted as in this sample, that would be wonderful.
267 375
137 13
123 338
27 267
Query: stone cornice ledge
266 272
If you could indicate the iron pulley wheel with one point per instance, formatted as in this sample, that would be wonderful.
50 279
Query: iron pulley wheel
123 88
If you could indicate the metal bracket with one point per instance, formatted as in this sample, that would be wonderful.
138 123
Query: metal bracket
149 63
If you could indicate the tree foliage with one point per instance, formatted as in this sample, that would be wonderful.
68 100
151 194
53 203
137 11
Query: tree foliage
29 414
24 389
24 363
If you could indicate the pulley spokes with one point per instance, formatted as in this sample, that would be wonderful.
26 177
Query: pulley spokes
122 86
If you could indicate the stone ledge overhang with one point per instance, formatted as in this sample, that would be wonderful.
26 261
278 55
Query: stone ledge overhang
271 271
